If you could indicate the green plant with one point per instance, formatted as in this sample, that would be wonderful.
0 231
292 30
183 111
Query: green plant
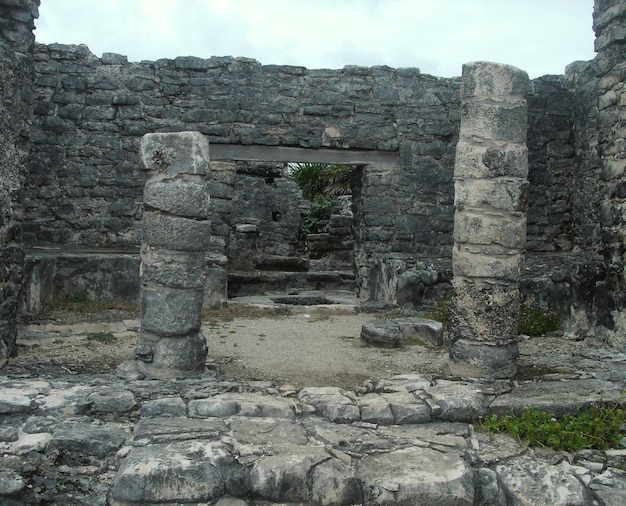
321 179
535 320
598 427
320 211
439 312
101 337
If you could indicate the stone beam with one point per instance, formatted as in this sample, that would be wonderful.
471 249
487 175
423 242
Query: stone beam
300 155
491 199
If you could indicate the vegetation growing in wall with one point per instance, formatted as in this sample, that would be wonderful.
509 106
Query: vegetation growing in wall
319 182
598 427
535 320
321 179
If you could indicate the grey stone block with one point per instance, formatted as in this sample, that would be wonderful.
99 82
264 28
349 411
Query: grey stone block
174 270
171 312
421 329
172 357
176 233
178 196
502 122
473 359
382 333
492 79
175 153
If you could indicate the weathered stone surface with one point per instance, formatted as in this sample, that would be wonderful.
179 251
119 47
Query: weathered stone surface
284 477
169 429
168 406
11 483
421 329
243 405
171 312
171 357
331 403
474 160
475 261
77 441
492 226
180 197
176 233
610 487
484 312
382 333
528 482
173 269
497 121
470 358
504 193
175 153
488 79
459 402
416 476
375 409
559 397
111 400
193 471
333 483
407 408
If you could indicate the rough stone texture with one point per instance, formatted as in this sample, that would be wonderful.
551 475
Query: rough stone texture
202 440
16 96
170 342
489 229
85 189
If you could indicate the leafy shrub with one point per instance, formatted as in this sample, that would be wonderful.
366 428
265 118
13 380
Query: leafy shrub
537 321
320 211
597 427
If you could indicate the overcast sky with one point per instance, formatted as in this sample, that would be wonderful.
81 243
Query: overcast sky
438 36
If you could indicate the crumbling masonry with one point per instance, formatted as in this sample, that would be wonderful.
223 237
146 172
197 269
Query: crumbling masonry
72 191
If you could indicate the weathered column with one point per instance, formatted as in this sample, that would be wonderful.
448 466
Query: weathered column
173 251
491 195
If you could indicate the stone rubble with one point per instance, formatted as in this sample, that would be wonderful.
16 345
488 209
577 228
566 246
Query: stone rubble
406 439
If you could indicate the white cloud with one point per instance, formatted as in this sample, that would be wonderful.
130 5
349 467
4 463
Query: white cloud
539 36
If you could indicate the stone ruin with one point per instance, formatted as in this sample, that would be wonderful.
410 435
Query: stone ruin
72 191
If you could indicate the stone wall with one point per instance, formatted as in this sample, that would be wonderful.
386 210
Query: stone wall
16 41
84 185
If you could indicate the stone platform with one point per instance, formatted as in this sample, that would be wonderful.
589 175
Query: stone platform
109 439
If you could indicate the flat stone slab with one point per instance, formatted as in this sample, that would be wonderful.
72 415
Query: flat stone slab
416 476
398 333
557 397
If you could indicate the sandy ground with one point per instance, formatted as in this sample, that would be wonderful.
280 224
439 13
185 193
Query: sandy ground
298 349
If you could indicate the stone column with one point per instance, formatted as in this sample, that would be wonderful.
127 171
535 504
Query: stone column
491 195
176 236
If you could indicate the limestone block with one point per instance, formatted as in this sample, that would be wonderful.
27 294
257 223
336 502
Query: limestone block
375 409
489 160
382 333
492 79
477 262
189 471
494 121
474 359
507 194
422 329
171 312
483 311
172 269
172 357
331 403
490 226
286 477
459 402
175 233
178 196
333 483
527 481
175 153
416 476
